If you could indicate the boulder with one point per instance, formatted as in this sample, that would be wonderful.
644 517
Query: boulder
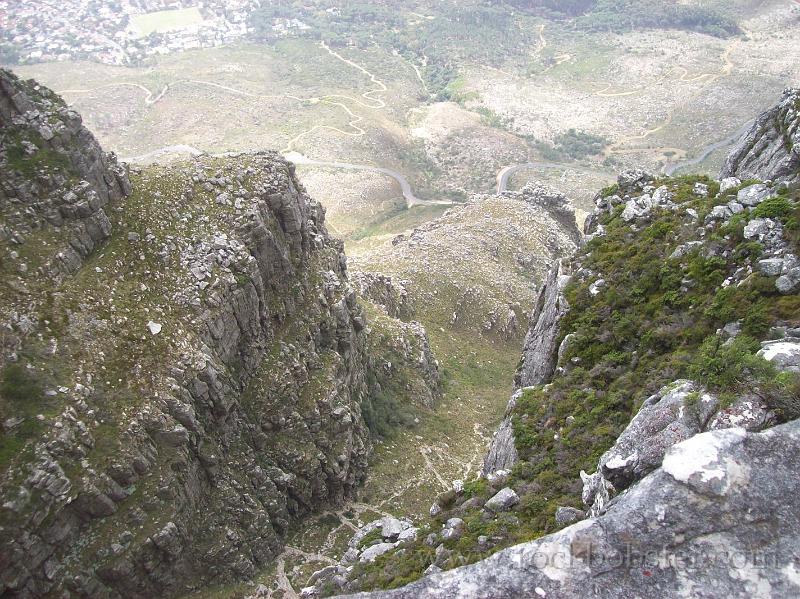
502 501
392 527
753 195
374 551
728 183
783 353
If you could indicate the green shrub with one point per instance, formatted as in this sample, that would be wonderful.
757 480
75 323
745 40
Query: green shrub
18 384
782 394
779 207
476 487
724 366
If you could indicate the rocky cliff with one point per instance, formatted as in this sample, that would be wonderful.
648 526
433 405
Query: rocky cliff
185 363
74 179
771 148
668 367
715 519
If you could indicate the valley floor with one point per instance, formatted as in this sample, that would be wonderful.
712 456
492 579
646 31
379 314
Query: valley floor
409 468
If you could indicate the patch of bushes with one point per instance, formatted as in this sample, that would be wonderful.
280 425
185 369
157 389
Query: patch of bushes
778 207
20 385
572 145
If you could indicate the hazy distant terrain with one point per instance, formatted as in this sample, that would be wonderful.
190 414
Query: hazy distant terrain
446 93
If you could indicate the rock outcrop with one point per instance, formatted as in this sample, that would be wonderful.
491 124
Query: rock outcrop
54 178
539 354
685 529
771 147
386 292
53 173
189 386
539 357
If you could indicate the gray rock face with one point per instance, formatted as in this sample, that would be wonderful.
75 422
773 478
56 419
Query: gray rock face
502 454
54 174
676 413
246 420
771 148
55 180
686 528
539 358
540 351
386 292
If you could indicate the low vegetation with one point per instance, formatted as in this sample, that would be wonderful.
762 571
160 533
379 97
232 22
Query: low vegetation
571 145
654 321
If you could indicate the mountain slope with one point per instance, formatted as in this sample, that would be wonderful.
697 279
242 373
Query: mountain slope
183 369
660 357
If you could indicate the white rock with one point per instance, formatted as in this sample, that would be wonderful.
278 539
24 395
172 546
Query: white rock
504 500
595 287
753 195
756 227
371 553
728 183
155 327
784 354
392 527
409 534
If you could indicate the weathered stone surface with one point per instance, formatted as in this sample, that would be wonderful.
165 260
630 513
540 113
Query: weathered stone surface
539 352
502 501
694 514
783 353
771 148
238 409
676 413
539 358
568 515
753 195
65 151
374 551
386 292
502 454
392 527
728 183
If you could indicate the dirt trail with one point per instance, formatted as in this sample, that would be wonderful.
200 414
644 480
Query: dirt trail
727 67
374 103
148 100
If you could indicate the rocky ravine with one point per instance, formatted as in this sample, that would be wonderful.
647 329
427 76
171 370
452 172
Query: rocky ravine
184 363
696 495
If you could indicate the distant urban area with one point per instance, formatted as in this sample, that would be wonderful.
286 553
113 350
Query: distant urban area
119 32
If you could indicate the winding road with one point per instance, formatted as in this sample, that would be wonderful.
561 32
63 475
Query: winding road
507 172
405 186
671 168
370 99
